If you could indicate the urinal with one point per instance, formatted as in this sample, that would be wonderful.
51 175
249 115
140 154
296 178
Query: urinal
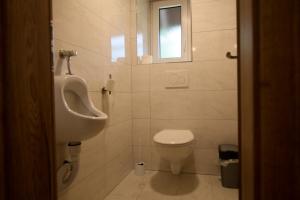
76 117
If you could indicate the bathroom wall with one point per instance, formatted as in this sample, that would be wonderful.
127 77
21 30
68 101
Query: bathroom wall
100 31
143 31
208 107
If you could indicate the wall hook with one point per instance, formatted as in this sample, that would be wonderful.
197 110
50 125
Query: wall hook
230 56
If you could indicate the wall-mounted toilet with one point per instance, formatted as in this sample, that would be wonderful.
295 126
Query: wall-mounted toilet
174 146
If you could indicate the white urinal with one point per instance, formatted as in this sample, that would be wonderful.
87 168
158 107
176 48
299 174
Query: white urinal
76 117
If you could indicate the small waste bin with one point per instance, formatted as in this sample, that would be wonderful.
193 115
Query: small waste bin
229 162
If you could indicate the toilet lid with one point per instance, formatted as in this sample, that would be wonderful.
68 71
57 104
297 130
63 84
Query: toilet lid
169 136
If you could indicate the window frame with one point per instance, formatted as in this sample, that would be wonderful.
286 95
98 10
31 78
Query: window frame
186 31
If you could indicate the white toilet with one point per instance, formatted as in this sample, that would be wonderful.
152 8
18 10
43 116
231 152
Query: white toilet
174 146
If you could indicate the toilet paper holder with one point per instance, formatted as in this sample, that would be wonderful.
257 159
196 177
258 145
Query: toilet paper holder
109 87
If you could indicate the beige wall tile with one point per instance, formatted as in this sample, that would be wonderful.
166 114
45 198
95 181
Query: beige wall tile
133 24
93 6
77 25
141 132
117 13
119 108
194 105
213 15
140 105
212 133
213 45
140 78
117 139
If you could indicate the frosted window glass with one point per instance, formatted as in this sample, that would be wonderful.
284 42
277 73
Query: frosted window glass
170 32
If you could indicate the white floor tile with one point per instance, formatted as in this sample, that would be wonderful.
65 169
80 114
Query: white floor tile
156 185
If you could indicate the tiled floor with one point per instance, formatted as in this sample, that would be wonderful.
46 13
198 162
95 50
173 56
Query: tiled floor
165 186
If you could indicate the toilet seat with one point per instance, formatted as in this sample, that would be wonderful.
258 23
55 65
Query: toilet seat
173 137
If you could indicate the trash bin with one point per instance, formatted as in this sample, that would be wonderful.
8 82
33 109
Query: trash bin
229 164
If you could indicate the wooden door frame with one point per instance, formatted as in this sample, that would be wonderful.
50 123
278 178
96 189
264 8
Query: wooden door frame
269 98
246 61
2 154
27 145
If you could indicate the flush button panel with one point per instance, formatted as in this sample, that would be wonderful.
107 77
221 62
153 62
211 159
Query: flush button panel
176 79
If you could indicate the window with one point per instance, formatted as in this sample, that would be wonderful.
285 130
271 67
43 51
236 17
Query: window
171 31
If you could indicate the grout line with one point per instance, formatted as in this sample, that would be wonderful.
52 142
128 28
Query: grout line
92 51
102 18
132 107
199 119
150 114
185 90
188 62
116 92
194 64
118 123
214 30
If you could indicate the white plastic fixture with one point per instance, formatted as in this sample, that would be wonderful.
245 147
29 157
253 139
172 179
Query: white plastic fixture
177 79
174 146
76 117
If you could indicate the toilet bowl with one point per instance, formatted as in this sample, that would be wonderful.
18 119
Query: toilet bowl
174 146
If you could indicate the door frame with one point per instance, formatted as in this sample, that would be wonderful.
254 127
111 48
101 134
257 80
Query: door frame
269 98
246 75
27 138
2 170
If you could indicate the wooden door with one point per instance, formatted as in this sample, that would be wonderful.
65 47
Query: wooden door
27 129
269 82
2 155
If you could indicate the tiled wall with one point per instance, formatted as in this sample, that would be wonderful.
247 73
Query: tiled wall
208 107
143 30
141 105
96 29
